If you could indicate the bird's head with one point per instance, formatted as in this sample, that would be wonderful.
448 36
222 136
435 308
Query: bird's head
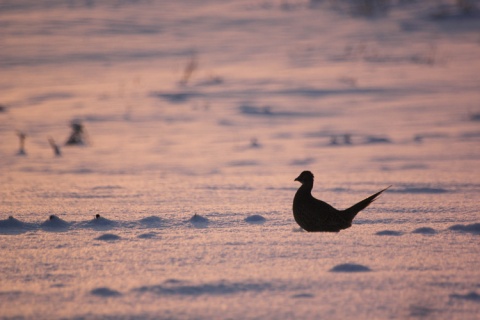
305 176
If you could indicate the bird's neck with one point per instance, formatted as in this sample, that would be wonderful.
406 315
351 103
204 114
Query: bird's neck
307 186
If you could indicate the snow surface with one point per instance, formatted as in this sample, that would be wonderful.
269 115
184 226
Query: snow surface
197 119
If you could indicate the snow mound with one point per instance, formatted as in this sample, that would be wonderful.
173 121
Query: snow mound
255 219
473 228
350 267
471 296
105 292
55 223
180 288
303 296
377 140
266 111
100 222
176 97
151 221
11 222
420 311
148 235
424 230
475 117
254 110
108 237
389 233
198 221
13 226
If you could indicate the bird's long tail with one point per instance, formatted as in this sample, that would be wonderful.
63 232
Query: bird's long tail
351 212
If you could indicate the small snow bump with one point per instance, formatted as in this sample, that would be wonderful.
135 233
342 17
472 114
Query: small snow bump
173 281
176 97
198 221
389 233
420 311
254 110
350 267
473 228
475 117
151 221
99 223
220 288
471 296
424 230
303 296
108 237
105 292
149 235
377 140
55 223
11 223
14 226
258 219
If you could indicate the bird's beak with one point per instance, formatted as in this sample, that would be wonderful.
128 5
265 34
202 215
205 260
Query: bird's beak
297 179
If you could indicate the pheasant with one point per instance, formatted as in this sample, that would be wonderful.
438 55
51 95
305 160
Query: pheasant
314 215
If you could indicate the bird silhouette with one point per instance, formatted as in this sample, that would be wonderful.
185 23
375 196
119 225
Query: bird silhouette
314 215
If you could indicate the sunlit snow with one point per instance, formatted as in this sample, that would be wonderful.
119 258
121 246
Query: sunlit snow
187 123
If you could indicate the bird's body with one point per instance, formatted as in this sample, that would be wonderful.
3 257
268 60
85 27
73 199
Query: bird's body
315 215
